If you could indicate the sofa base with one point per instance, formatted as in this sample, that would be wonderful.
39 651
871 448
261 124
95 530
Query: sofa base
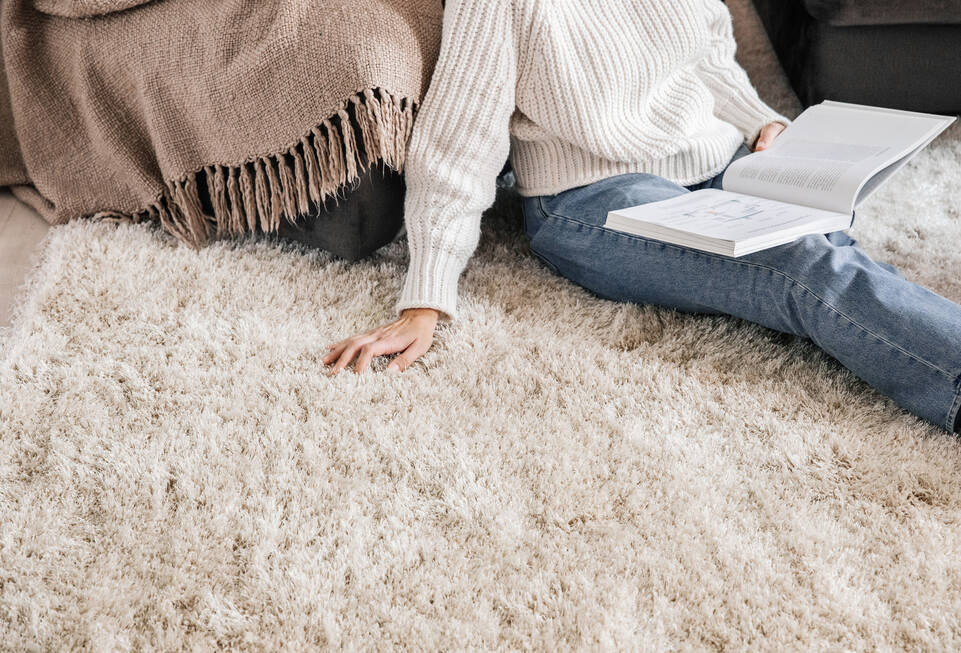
913 67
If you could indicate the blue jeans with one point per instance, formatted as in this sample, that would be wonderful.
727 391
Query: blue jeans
899 337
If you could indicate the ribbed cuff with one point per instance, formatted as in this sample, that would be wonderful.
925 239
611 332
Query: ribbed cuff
750 116
431 282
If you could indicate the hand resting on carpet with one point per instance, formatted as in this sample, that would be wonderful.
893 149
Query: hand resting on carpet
411 335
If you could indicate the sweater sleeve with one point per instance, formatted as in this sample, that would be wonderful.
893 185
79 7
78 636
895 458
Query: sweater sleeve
459 144
736 100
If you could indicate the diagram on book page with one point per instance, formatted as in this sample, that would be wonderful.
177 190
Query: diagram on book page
722 214
726 210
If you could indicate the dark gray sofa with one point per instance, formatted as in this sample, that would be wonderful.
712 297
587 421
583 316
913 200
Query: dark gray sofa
904 54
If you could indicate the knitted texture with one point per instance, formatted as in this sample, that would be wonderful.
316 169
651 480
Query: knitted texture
274 106
84 8
575 92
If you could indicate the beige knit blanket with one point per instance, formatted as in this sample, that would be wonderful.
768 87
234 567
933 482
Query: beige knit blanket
123 109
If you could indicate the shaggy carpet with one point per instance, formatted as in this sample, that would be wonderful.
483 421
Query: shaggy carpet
559 472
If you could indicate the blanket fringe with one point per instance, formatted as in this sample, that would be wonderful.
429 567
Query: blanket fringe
253 196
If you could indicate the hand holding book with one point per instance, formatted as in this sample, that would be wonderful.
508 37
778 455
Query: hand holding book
766 138
808 180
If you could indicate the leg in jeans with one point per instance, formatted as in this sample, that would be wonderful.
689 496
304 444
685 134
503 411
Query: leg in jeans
897 336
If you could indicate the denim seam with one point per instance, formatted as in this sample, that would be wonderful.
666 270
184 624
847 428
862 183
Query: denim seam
955 408
760 266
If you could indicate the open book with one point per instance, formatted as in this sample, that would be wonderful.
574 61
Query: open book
810 180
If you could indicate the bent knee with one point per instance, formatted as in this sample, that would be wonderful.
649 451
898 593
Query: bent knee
828 270
349 242
353 229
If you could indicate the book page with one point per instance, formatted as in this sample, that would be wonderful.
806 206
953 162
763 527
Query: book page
825 157
724 215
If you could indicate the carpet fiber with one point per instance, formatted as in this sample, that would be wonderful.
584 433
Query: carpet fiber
176 472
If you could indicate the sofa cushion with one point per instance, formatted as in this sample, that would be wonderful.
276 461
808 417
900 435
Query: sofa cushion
885 12
902 66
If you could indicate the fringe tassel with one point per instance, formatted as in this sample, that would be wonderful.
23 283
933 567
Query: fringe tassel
288 189
389 150
188 204
368 137
171 219
237 220
373 106
328 183
351 155
407 123
217 184
335 159
262 192
300 181
256 194
249 194
313 172
276 195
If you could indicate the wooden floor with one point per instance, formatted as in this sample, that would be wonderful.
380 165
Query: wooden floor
21 231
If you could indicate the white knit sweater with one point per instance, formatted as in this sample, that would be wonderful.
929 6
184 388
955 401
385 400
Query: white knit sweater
574 91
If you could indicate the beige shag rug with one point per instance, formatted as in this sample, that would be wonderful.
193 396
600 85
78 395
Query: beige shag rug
561 472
